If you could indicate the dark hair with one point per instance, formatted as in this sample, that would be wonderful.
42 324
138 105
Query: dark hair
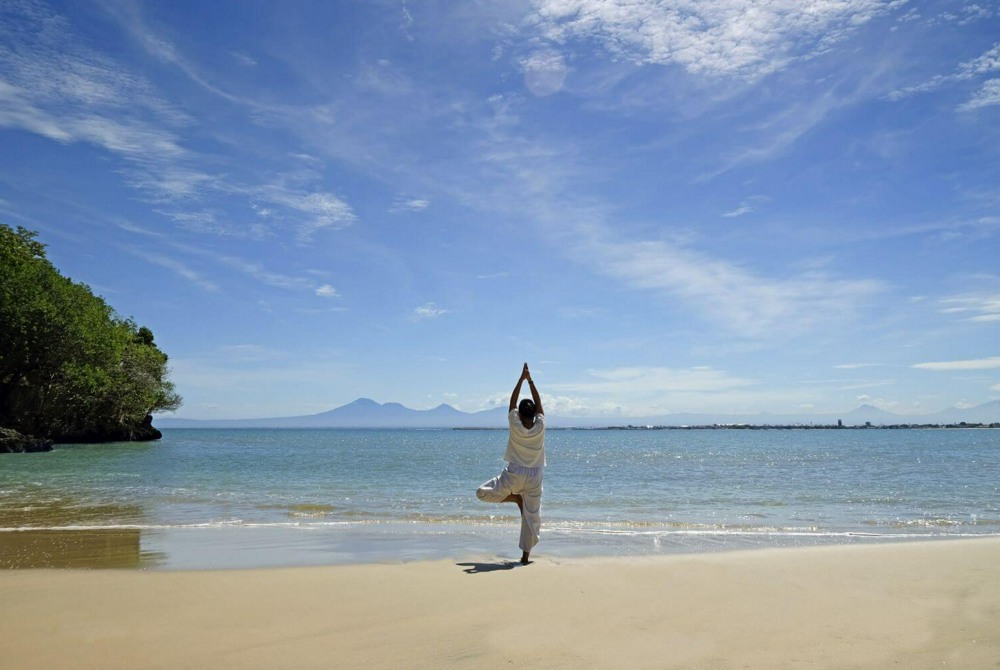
526 408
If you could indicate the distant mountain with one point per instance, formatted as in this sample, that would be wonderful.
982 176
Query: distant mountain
366 413
868 413
985 413
362 413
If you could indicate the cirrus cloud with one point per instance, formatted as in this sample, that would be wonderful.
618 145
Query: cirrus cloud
745 39
747 303
428 311
991 363
629 380
979 308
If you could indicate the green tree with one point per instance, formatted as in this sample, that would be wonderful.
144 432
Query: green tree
70 367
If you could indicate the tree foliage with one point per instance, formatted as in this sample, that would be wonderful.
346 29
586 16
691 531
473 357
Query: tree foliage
70 367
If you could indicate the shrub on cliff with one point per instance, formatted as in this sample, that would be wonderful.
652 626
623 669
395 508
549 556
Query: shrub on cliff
71 368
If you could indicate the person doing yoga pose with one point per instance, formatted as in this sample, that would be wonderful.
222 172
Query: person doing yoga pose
521 481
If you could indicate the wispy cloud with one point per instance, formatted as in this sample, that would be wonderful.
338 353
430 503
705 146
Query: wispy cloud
264 276
650 390
626 381
52 84
259 272
991 363
327 291
271 208
129 16
744 39
244 58
131 138
214 223
988 94
747 303
783 128
428 311
409 204
549 183
876 383
178 267
981 308
967 14
321 209
745 207
739 211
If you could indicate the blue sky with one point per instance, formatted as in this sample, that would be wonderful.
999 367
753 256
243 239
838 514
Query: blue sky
721 206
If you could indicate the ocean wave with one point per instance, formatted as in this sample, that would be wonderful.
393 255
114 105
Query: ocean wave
938 522
580 529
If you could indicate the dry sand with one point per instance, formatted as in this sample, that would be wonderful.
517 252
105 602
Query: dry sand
913 605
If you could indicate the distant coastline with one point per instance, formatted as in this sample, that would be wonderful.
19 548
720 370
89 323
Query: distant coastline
366 413
748 426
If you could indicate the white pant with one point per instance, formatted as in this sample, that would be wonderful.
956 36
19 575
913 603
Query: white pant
527 483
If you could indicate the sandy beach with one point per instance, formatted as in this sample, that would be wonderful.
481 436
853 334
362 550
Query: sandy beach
912 605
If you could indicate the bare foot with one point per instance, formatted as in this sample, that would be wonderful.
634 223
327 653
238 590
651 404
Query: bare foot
524 558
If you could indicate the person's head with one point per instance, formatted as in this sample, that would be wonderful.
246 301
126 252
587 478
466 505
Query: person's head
526 409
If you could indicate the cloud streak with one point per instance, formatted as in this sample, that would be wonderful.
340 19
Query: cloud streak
320 210
179 268
717 38
978 308
53 85
749 304
428 311
408 204
625 381
991 363
987 95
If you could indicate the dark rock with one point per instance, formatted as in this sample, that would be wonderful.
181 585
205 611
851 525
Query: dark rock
13 442
144 432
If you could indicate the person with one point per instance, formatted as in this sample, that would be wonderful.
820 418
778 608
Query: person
521 481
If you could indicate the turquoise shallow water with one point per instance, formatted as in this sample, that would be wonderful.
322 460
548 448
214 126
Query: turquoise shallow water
241 498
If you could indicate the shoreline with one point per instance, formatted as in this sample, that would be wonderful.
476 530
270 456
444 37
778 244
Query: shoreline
277 546
920 604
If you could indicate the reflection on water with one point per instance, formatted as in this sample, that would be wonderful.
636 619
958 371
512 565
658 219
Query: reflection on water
42 532
40 513
98 548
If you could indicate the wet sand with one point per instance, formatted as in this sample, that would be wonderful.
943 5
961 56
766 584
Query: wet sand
93 548
914 605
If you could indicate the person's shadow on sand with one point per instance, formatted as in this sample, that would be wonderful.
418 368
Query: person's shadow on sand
476 568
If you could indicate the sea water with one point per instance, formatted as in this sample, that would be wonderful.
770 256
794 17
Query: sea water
255 498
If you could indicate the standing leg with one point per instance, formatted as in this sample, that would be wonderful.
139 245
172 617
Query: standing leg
531 520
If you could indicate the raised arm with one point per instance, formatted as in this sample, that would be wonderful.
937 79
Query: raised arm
517 388
534 392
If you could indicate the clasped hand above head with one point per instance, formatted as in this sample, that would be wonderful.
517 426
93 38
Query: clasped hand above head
535 397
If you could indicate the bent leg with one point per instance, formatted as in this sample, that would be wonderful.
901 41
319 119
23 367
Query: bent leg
496 490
